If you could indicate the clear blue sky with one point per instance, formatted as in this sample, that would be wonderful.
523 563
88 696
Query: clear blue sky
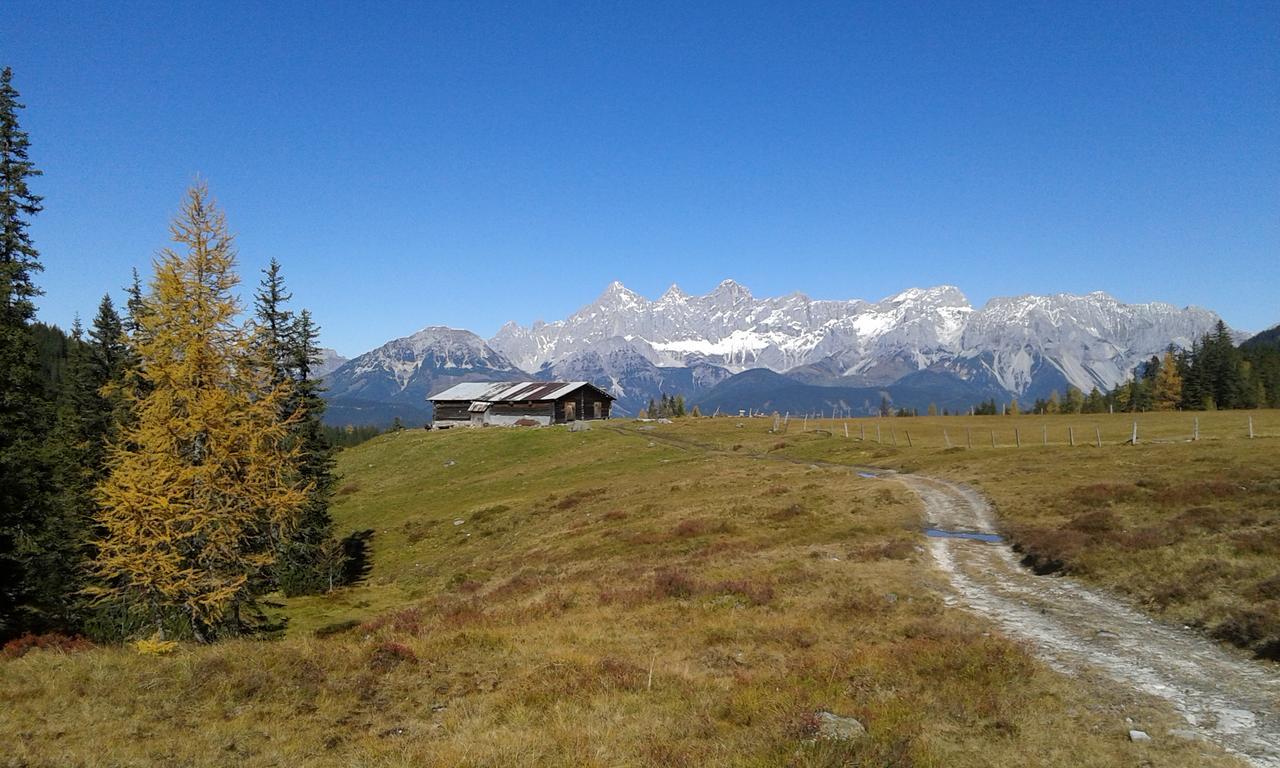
468 163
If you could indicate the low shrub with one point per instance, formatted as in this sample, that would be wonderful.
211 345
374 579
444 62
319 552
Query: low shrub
336 628
1095 523
50 641
388 655
1256 628
670 582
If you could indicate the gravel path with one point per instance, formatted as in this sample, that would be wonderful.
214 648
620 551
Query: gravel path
1224 697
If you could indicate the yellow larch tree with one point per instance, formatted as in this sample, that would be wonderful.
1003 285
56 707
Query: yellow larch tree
200 483
1168 385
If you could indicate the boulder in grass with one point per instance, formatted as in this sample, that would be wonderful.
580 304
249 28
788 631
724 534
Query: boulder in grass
833 727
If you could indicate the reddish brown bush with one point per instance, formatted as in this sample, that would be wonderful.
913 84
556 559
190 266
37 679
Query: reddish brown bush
1257 541
51 641
388 655
407 621
1197 492
1205 518
619 674
1046 550
802 725
1267 589
670 582
1095 523
689 528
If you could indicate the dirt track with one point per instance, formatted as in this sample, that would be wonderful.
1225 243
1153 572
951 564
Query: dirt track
1226 698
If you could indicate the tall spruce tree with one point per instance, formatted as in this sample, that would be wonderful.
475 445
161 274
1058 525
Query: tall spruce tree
308 560
313 559
201 481
25 416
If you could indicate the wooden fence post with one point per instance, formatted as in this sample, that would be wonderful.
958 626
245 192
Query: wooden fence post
1195 428
946 438
1044 434
1071 436
1134 439
1250 427
1017 437
893 433
968 438
1097 431
846 430
877 432
908 434
862 432
993 438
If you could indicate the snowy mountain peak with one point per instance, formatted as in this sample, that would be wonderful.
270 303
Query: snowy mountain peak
731 289
673 294
938 295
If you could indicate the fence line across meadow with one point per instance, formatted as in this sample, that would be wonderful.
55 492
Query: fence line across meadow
1024 431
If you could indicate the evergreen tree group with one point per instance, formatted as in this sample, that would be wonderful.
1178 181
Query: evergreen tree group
164 469
667 407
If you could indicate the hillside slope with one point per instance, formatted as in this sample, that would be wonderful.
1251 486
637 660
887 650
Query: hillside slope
607 598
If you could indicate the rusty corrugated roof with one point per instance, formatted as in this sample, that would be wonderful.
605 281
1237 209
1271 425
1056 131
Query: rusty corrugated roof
511 391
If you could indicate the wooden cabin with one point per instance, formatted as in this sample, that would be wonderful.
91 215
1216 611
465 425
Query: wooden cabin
520 403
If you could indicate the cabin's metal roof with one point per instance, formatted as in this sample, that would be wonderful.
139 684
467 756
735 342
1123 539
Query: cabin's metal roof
511 391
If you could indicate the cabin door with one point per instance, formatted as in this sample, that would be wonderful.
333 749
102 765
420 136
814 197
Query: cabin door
568 412
599 407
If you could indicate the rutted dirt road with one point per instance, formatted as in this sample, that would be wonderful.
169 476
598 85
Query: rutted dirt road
1227 699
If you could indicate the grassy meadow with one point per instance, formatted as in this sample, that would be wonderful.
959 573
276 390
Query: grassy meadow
682 594
1188 530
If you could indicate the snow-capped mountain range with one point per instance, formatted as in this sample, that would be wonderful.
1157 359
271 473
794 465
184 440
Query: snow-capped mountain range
639 348
1091 340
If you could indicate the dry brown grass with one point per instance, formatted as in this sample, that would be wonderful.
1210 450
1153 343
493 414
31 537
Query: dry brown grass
1188 530
603 603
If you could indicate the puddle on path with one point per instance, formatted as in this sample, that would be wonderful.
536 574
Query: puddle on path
938 533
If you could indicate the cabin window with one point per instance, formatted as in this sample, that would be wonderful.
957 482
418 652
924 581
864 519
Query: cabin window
568 412
599 408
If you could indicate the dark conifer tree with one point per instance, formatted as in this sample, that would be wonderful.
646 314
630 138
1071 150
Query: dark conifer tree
25 416
309 560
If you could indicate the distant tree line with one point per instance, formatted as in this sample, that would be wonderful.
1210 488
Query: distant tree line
1213 374
165 468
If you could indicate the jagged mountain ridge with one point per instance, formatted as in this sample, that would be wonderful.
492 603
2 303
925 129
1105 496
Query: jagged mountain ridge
1020 344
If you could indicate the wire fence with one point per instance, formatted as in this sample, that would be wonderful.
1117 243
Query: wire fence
1025 431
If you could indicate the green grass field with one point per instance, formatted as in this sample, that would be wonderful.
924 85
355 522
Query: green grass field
683 594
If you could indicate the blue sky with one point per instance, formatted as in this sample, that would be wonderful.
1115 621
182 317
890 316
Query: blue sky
470 163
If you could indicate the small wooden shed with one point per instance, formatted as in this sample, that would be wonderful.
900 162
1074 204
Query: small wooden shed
506 403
